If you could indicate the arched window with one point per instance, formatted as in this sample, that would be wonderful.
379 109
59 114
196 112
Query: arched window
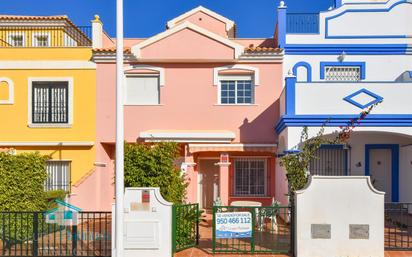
303 72
6 91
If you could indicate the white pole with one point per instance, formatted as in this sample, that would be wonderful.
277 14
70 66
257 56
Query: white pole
119 130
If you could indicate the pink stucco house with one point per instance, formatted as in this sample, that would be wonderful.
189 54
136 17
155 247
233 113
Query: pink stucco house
196 83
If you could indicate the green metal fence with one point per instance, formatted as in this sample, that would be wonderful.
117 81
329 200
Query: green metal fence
185 226
30 234
270 233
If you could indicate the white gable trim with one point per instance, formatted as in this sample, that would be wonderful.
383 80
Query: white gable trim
237 47
152 68
229 23
236 67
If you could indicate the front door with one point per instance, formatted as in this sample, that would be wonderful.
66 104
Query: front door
208 182
380 163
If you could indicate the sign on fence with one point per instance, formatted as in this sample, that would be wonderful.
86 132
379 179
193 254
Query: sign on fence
233 225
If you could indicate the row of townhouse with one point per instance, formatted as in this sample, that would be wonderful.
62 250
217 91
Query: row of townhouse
233 104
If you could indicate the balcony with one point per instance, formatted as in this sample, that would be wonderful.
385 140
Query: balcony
50 36
302 23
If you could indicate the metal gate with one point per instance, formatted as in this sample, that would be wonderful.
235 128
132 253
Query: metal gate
185 226
29 234
271 230
398 226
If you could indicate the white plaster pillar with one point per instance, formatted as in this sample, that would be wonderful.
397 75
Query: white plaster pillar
97 32
224 178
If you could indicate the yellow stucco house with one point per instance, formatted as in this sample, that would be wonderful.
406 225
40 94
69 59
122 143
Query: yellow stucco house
48 98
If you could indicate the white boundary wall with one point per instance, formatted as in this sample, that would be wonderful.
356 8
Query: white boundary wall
147 224
339 202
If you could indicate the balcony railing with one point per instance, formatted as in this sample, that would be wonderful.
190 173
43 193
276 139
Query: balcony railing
302 23
53 36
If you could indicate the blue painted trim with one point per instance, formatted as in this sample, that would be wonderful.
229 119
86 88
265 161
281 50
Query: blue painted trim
281 27
372 120
362 66
352 49
358 82
290 87
363 11
338 3
395 165
410 74
308 70
376 97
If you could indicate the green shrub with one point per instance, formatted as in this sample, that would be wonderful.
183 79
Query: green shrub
22 179
153 166
52 196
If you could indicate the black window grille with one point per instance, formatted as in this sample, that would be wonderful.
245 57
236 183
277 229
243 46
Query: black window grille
50 102
330 161
58 175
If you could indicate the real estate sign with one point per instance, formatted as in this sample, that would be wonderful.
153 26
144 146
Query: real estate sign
233 224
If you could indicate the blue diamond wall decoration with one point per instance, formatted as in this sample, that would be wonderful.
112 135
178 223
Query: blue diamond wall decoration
374 98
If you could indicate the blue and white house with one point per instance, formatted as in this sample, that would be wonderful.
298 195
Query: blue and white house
337 63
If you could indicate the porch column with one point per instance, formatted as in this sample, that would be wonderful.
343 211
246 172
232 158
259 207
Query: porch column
224 178
188 167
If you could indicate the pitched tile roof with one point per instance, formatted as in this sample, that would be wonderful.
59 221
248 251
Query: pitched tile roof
111 50
258 49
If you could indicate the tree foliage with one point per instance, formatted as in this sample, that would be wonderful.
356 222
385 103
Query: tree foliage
153 166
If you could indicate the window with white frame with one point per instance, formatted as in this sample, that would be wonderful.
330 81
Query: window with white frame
250 177
142 90
58 175
50 102
41 40
236 90
16 39
342 73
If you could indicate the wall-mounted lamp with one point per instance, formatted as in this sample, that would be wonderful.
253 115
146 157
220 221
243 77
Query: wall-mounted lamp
342 56
358 165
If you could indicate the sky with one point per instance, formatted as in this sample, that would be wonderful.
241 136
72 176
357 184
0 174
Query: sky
145 18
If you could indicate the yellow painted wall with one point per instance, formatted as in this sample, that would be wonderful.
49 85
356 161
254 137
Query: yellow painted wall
46 53
82 158
15 117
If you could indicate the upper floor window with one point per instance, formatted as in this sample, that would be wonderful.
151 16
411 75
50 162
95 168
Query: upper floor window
142 90
58 175
342 73
250 177
50 102
16 39
236 90
41 40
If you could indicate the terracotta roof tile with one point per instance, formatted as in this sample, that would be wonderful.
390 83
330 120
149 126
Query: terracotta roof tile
27 17
258 49
111 50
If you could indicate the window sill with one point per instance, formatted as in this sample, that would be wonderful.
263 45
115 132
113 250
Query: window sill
236 105
143 104
49 125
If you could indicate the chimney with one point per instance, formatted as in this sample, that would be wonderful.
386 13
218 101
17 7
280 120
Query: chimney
338 3
281 28
97 32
